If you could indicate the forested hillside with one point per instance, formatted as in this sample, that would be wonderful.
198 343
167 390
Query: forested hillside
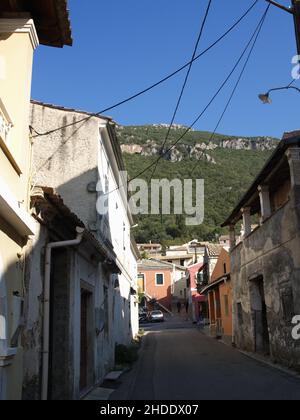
227 174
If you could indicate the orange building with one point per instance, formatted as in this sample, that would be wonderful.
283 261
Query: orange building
155 280
219 293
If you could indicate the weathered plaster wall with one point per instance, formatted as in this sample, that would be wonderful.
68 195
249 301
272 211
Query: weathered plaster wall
67 160
32 334
271 251
11 282
80 270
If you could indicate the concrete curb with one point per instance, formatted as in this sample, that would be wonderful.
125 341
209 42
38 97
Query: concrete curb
257 358
262 360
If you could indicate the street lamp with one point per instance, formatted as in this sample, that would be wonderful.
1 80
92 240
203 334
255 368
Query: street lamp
265 97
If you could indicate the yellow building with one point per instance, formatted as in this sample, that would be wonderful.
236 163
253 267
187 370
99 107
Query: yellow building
23 25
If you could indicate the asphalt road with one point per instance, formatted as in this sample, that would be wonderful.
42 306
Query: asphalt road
181 363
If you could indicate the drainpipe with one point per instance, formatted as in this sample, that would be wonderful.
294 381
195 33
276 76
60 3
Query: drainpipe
46 320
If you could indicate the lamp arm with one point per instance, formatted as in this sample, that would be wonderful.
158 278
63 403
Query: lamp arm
284 88
280 6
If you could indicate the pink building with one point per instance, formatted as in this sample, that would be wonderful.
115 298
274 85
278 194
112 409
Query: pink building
198 302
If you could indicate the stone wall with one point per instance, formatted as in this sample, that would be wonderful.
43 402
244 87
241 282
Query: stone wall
271 253
63 160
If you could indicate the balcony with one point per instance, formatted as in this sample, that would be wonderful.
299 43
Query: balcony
12 211
270 220
267 212
6 126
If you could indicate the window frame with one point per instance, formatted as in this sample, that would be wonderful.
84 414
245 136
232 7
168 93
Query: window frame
163 278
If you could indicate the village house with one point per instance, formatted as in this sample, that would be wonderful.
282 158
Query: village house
23 26
179 288
198 307
69 326
219 295
150 250
210 259
265 265
180 255
83 165
224 240
156 283
199 275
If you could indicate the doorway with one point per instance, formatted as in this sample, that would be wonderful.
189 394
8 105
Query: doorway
86 342
260 317
59 348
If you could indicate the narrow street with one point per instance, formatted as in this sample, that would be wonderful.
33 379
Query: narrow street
179 362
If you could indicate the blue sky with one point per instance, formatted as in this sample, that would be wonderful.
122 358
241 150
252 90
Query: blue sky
122 46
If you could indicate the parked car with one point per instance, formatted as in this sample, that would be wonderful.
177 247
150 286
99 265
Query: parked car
156 316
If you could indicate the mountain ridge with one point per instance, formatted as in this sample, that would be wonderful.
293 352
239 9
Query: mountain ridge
228 166
148 140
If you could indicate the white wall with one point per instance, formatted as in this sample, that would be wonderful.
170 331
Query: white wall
117 226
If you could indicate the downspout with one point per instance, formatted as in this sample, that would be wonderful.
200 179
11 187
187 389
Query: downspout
46 319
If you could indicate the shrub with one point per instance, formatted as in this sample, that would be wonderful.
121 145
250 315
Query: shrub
126 354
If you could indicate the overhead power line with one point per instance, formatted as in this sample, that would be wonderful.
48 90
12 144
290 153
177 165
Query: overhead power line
238 82
257 30
202 26
149 88
254 36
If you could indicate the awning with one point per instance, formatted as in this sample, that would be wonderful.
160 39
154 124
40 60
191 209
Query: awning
51 18
199 298
216 283
49 204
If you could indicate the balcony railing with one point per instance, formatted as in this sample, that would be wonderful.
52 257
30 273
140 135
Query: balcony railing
5 123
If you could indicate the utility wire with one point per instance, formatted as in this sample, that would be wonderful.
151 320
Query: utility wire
292 82
136 95
185 82
237 83
258 28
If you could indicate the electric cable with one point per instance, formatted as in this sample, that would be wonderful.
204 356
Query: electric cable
236 86
185 82
149 88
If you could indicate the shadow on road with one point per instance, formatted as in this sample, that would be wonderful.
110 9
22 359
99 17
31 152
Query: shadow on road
208 369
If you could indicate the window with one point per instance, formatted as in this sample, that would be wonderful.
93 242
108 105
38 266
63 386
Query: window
141 283
225 268
159 279
226 305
